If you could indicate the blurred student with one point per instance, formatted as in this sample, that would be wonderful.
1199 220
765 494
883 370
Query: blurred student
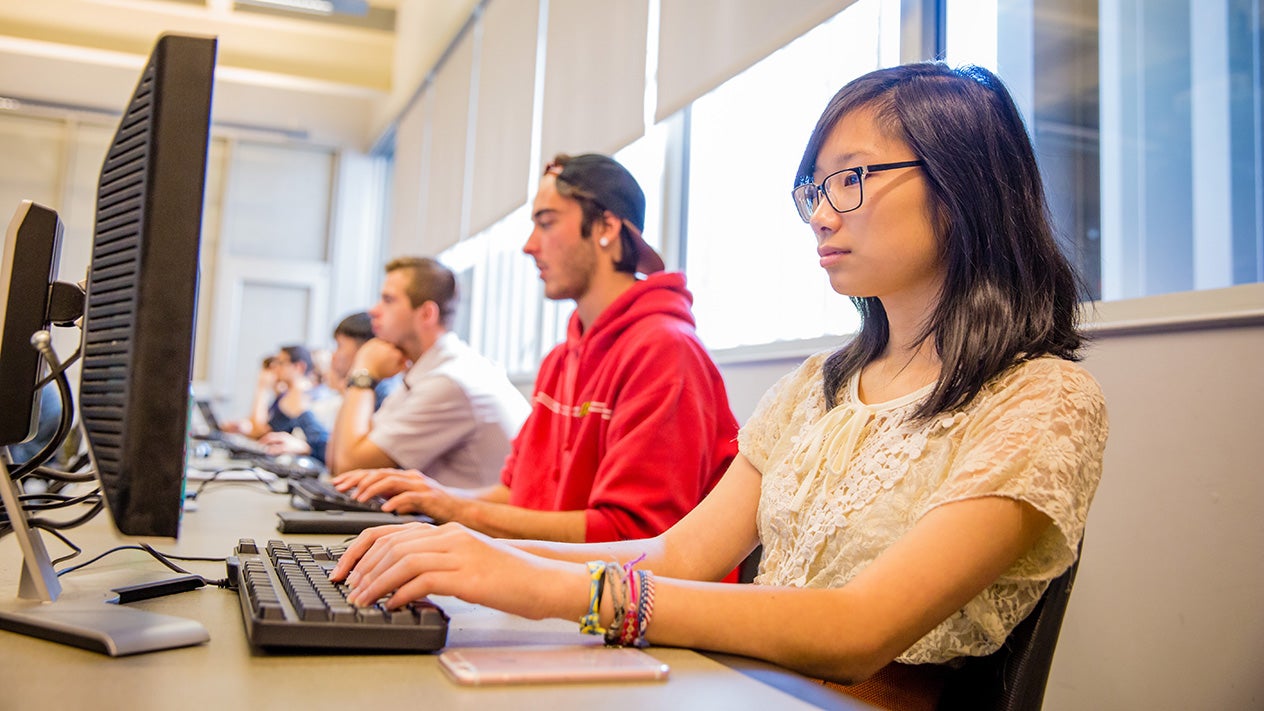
454 414
285 394
352 332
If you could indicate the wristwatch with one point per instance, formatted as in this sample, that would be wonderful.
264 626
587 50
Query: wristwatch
361 378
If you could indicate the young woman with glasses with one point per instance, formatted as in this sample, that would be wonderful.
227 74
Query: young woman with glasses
914 491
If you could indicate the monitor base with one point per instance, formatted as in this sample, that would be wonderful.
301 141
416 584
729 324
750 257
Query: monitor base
100 627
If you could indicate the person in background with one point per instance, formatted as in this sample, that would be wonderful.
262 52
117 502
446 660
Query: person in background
352 332
296 393
630 425
455 413
915 490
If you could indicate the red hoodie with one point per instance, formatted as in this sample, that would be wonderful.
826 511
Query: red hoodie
630 421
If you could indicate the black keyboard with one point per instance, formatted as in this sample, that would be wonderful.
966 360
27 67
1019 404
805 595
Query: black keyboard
287 600
317 495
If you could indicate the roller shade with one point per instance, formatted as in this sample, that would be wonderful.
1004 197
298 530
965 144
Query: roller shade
449 99
703 43
506 88
594 82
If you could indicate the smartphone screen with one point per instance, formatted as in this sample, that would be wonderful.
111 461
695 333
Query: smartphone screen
546 664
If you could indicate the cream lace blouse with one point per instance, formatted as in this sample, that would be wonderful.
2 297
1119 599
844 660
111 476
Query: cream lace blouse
839 487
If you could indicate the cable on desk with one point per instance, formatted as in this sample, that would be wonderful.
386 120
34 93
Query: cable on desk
215 478
164 558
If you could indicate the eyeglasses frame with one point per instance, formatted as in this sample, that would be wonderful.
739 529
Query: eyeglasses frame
861 171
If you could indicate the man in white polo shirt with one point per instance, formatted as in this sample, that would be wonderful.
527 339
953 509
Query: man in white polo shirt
455 413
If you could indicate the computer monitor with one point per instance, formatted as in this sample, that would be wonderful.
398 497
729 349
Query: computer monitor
137 351
28 267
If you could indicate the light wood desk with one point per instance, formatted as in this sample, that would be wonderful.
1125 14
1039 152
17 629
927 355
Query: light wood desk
227 673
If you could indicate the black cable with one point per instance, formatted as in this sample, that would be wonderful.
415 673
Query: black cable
164 558
30 502
64 476
72 523
60 370
74 550
42 341
214 478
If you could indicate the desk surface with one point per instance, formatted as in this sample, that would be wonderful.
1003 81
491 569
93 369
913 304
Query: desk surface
228 673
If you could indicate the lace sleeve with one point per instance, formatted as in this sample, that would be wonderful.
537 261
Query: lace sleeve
1037 436
776 408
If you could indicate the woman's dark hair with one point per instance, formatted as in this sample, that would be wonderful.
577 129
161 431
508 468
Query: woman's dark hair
1009 294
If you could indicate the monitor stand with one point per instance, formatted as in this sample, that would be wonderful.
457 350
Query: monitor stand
92 624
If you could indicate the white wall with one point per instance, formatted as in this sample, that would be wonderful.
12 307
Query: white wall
1168 606
1166 611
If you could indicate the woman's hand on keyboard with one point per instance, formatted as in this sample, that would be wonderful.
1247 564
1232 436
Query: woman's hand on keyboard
411 561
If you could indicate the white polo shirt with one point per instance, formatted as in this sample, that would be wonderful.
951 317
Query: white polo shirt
453 418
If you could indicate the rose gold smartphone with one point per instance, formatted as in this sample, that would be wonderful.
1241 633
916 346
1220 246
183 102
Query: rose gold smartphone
476 666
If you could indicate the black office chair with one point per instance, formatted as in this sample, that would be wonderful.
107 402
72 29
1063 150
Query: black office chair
1013 677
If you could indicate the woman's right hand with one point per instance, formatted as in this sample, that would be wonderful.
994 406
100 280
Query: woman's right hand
410 561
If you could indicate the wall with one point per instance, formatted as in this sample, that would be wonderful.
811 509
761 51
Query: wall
1166 609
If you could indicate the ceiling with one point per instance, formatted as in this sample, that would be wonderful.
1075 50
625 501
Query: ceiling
49 50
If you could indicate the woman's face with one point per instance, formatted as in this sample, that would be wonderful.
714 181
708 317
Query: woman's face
887 248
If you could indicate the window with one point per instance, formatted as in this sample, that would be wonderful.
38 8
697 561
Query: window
751 261
1146 117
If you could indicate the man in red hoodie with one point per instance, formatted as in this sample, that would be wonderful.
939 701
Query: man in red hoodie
630 424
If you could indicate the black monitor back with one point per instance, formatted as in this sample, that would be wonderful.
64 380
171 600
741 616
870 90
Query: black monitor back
28 267
142 289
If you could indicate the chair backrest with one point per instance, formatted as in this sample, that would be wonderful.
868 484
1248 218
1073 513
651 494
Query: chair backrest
1013 677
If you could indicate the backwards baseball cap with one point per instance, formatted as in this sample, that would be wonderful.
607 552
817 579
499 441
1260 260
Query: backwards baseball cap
611 185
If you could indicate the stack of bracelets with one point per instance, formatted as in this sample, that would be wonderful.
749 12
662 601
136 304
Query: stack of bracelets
632 596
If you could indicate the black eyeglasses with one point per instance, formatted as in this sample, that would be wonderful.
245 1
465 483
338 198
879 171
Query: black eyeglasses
844 190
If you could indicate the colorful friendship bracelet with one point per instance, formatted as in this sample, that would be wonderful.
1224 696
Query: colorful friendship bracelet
632 598
645 607
591 622
618 599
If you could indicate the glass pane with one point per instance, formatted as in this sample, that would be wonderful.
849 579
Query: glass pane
748 252
1146 121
